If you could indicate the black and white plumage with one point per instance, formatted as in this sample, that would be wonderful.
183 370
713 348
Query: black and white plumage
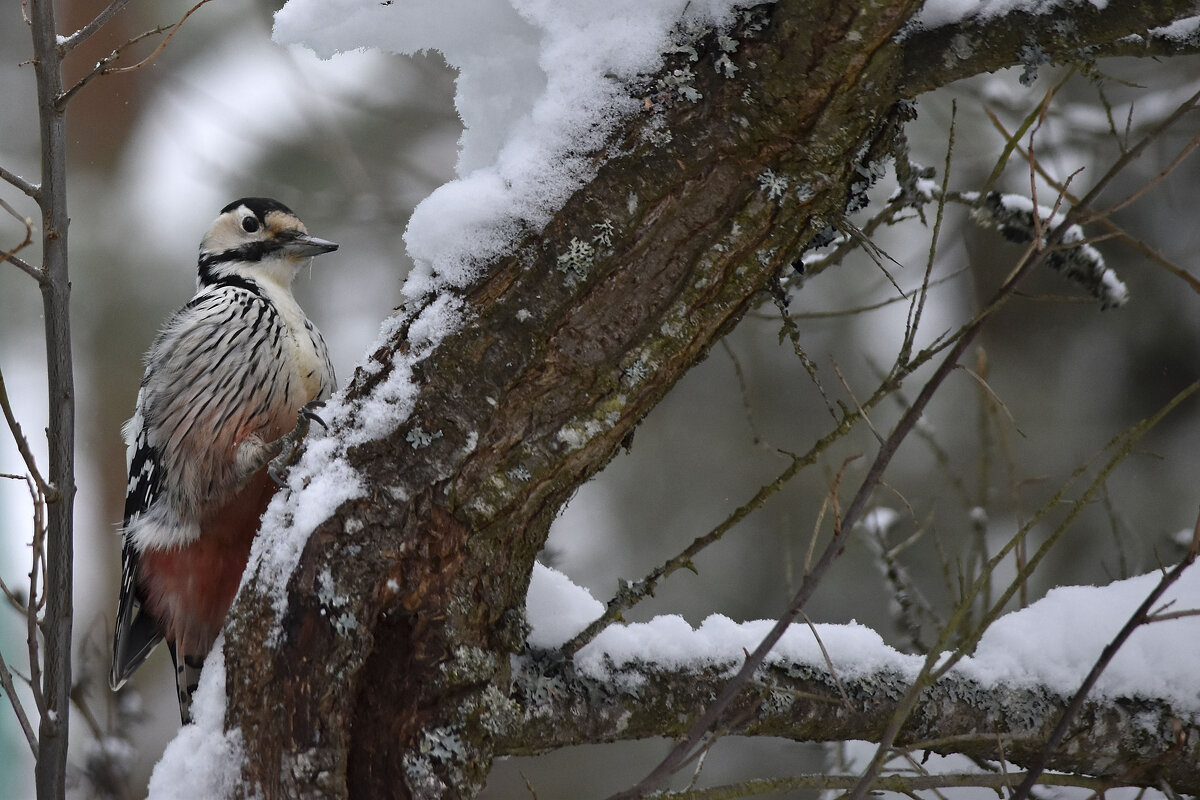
224 382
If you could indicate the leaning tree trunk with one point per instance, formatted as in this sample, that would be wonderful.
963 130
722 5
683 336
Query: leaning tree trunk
390 672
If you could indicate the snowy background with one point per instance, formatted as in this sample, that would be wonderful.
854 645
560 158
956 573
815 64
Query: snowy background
354 142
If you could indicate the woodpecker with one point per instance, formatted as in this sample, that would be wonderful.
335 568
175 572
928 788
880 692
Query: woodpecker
227 385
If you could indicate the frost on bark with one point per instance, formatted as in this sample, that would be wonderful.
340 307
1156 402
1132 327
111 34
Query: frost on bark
704 200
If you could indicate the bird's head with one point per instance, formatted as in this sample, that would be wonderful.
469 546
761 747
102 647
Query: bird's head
260 239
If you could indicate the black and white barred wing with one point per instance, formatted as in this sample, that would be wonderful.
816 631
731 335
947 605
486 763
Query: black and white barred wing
135 637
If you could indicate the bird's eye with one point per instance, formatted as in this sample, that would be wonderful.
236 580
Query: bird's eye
250 224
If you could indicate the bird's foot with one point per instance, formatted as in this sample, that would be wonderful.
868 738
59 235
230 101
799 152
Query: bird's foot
287 447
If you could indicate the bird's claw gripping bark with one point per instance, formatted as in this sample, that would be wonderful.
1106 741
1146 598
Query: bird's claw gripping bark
289 443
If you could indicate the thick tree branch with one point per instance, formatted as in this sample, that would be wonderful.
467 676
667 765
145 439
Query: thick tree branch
1139 741
1076 33
397 624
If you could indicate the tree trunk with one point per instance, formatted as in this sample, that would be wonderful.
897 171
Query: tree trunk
388 674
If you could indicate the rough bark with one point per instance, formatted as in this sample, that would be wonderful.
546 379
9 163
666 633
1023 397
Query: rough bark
1128 740
405 685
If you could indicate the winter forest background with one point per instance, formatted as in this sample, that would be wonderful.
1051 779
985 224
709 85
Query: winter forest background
353 143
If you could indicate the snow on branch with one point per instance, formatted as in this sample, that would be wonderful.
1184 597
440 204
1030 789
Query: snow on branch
954 39
799 701
651 679
1012 215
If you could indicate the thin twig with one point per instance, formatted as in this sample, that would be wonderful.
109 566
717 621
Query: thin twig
17 603
849 312
19 182
163 44
1034 255
937 663
680 753
1167 616
23 444
1115 229
1140 617
918 307
1148 185
6 683
103 66
80 36
745 392
829 664
33 602
631 594
11 255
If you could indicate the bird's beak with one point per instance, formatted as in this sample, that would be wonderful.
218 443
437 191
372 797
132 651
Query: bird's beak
302 245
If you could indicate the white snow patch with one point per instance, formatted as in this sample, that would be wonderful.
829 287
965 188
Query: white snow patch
1180 30
203 761
936 13
1052 643
1055 641
321 482
671 642
879 521
557 609
541 86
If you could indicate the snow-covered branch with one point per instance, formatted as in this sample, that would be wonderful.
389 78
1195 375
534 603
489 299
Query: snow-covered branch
952 40
1132 740
841 682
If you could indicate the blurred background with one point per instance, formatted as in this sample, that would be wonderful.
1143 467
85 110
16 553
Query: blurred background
352 144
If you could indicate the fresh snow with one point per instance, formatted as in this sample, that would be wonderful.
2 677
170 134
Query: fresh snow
936 13
541 85
1052 643
202 762
1056 641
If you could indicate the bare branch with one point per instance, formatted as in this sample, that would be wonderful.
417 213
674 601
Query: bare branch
104 66
938 56
162 45
19 182
80 36
1034 256
6 683
22 443
1146 250
33 603
630 594
11 255
1148 185
53 546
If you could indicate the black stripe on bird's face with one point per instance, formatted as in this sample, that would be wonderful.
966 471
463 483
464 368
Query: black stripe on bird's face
250 252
